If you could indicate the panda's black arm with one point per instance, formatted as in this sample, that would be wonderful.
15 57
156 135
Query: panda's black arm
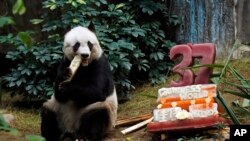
83 95
62 74
62 71
87 95
90 84
96 87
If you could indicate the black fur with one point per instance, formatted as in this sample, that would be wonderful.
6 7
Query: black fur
76 46
90 45
92 83
94 124
49 125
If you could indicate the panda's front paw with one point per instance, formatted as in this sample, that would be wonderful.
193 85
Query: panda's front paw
67 74
64 91
63 85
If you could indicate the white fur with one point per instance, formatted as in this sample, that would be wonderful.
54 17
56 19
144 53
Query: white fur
82 35
69 116
83 50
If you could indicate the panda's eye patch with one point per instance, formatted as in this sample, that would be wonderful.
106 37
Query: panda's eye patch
76 46
90 45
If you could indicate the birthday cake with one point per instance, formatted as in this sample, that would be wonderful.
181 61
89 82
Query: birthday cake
185 107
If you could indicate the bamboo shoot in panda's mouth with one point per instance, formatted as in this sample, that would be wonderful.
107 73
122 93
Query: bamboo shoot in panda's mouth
74 65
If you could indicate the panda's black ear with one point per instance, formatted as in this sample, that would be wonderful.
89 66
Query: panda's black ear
92 27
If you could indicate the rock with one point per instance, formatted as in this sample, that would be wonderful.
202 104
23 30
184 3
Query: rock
242 52
8 118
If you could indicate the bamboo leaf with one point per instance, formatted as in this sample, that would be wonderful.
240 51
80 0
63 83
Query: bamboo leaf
238 76
236 44
236 73
243 110
222 102
243 91
206 65
242 80
216 74
237 93
237 85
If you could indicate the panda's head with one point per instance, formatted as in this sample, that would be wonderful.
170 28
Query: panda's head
81 41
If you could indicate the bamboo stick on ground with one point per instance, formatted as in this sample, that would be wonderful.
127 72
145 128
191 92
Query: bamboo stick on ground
135 117
127 121
125 118
137 126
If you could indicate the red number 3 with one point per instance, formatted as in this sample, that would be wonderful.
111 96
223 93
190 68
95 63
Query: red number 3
205 52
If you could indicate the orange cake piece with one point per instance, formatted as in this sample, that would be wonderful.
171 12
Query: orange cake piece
184 104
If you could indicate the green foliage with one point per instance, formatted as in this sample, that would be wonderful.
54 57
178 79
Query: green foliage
5 20
32 76
34 138
18 7
239 88
236 84
132 33
25 39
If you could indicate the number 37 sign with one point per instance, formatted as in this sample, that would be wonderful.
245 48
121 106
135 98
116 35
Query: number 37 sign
205 53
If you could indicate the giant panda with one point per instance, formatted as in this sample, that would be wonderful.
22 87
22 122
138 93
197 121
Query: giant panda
84 108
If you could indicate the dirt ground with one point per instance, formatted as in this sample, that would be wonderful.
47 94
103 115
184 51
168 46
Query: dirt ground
141 135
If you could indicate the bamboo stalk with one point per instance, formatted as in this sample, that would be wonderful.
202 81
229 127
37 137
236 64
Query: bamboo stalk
126 118
127 121
137 126
223 103
74 65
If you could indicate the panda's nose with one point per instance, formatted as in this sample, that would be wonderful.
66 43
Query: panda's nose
85 55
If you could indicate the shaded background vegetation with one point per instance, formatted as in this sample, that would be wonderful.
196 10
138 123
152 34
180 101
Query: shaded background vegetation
135 35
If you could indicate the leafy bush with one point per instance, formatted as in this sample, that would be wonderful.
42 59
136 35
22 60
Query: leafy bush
34 73
132 33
